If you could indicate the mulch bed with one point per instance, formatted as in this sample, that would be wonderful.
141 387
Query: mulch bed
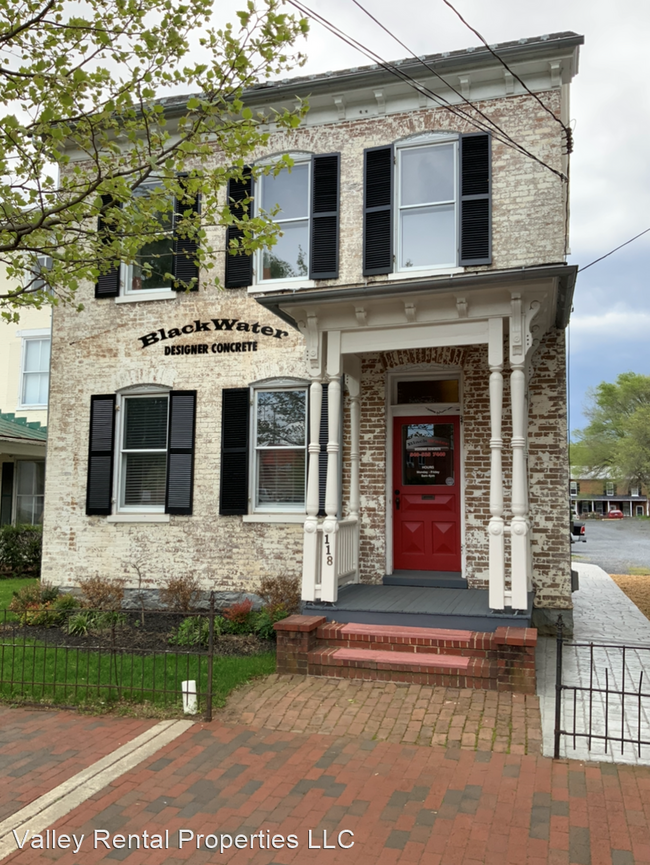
637 588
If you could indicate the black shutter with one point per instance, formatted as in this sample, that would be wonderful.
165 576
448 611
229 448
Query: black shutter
6 493
325 196
108 284
180 452
235 411
100 455
475 199
378 210
323 438
184 266
239 268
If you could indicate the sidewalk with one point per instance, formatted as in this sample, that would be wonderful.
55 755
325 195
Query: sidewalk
602 614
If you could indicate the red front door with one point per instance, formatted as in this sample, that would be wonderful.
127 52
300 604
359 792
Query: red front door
426 494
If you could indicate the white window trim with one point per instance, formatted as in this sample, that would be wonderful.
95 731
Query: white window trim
635 491
260 284
27 336
274 512
137 518
609 487
425 140
118 478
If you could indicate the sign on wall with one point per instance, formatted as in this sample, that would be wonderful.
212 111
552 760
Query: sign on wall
228 325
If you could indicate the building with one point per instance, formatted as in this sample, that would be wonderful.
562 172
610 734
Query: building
24 382
377 402
595 493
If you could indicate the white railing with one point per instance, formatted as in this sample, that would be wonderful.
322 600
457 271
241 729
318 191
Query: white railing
347 564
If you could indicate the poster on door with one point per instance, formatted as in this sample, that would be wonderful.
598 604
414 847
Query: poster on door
427 454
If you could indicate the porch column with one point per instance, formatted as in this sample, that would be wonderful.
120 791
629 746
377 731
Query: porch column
310 544
519 524
497 584
329 579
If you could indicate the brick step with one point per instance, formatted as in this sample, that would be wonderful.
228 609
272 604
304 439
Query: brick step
451 671
398 638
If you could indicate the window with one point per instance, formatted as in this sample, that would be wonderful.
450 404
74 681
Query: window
143 453
639 510
144 462
427 206
154 263
35 378
308 198
280 449
634 491
30 489
289 258
609 489
574 488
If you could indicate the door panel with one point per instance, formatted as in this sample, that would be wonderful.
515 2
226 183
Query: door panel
426 493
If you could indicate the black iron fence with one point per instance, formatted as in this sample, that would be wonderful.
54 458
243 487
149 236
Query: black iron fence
602 697
98 658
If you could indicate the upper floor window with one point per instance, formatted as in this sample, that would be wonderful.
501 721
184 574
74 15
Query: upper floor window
35 372
634 491
154 263
574 488
427 206
308 217
609 489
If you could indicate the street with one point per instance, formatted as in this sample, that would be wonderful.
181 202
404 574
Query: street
615 545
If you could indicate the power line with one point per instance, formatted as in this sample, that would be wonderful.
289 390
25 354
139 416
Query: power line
420 88
439 76
612 251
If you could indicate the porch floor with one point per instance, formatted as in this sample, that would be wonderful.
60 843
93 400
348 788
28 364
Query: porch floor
424 607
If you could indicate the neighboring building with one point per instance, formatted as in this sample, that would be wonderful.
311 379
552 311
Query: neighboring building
379 398
595 493
24 384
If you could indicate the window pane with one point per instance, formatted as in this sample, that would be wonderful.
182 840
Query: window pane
35 386
428 236
37 355
45 355
290 255
281 477
145 424
427 174
444 390
290 189
144 482
26 478
158 255
428 454
281 418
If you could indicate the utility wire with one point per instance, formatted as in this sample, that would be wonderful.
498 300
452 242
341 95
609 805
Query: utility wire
445 103
612 251
420 88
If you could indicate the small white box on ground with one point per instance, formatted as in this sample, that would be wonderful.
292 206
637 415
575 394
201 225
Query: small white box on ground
190 705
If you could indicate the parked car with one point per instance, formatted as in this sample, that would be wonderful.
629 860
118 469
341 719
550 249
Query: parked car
614 515
578 532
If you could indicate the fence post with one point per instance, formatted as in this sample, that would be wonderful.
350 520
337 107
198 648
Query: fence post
208 696
558 687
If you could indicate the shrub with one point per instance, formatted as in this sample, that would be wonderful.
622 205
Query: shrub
20 550
93 620
180 593
266 618
239 618
42 605
195 631
100 593
282 591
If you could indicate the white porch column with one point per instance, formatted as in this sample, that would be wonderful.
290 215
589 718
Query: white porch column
329 579
310 544
519 523
497 583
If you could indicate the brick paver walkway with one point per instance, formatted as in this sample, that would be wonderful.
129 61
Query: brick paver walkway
404 803
41 749
417 714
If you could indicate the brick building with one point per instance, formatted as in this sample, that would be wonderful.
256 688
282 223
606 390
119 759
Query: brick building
596 493
376 403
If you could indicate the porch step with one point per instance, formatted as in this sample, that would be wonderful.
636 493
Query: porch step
433 579
403 639
450 671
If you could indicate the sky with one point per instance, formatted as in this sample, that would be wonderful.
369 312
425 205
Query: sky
610 167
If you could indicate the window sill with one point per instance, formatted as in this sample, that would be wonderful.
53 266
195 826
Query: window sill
164 294
281 285
31 407
138 518
274 518
415 274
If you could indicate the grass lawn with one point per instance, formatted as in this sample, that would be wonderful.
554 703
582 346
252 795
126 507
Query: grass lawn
11 585
100 681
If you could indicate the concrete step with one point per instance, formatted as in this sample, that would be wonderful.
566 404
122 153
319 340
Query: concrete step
450 671
432 579
404 639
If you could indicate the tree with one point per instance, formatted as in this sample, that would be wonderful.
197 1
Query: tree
617 438
79 86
